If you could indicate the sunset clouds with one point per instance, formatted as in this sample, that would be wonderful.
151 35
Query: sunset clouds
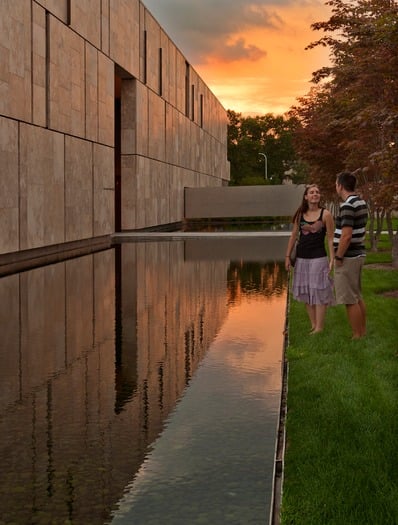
250 53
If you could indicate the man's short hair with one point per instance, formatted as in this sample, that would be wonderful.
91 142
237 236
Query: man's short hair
347 180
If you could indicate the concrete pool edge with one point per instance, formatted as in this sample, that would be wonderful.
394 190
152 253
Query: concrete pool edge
280 445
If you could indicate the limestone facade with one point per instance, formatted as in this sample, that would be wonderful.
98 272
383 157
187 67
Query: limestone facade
103 123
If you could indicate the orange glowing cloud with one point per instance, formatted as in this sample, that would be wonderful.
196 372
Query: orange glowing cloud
272 82
251 54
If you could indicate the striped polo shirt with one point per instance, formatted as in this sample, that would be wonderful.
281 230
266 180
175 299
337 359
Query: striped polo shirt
353 213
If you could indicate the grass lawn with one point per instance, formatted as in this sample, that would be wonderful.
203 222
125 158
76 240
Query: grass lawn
341 461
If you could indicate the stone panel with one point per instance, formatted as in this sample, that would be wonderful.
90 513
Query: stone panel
196 150
91 93
141 38
105 21
184 157
9 194
41 187
141 122
152 199
153 45
194 97
15 60
159 187
176 193
180 81
78 189
104 190
67 85
142 194
39 65
85 19
129 193
171 136
156 127
153 205
165 73
58 8
9 241
170 74
124 34
106 95
205 159
201 100
206 149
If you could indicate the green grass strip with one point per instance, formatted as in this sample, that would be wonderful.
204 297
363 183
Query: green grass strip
341 461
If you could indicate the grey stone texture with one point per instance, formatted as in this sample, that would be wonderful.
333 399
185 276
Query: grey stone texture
60 63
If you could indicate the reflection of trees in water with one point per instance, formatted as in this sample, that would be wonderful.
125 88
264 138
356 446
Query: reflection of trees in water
247 278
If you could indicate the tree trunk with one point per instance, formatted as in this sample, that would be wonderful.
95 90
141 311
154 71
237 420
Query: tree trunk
395 250
389 227
372 235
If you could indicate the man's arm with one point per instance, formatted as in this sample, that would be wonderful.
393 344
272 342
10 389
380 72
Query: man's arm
345 240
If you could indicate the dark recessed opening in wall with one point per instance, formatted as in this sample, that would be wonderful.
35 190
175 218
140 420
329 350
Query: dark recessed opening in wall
118 151
187 94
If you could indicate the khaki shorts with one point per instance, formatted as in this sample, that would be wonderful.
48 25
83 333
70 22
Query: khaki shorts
347 280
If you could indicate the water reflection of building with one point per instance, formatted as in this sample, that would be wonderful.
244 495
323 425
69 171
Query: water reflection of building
83 396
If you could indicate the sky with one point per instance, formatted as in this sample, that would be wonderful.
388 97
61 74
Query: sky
250 53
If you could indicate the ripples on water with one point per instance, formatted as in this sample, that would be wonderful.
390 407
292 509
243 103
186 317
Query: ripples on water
140 385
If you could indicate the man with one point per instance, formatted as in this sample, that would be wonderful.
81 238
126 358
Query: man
349 245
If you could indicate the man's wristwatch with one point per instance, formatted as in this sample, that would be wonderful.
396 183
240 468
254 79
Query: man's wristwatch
338 258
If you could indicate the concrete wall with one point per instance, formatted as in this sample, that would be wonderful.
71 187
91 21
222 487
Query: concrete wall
243 201
61 161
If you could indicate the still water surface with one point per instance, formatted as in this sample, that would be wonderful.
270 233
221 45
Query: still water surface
141 385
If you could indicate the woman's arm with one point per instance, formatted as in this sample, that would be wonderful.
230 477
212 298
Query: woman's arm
329 223
290 244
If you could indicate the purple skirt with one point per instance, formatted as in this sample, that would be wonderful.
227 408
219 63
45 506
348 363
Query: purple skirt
312 283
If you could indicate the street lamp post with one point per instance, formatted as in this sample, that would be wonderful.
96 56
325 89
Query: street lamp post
265 165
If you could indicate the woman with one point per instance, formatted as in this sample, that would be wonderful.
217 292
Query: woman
312 283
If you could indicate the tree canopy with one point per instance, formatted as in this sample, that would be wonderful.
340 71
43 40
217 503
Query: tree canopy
349 119
250 138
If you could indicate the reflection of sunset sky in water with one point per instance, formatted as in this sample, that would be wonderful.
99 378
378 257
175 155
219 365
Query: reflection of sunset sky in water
258 323
214 458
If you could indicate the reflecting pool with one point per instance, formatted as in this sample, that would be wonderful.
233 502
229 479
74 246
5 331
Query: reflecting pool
141 385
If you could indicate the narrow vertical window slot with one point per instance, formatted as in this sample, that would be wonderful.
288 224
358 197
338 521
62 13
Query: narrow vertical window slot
160 71
187 89
193 102
145 57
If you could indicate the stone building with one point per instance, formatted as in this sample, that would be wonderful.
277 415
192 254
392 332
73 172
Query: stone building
103 122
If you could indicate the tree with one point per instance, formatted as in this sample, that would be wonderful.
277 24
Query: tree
350 118
249 137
